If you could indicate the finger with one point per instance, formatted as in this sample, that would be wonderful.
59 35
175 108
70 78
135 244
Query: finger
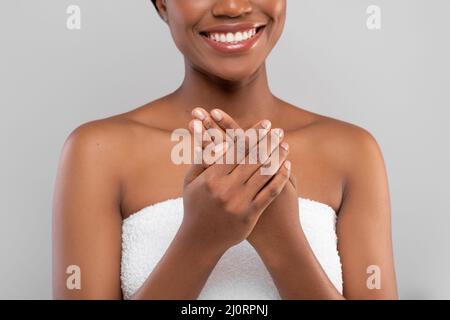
293 181
203 147
265 197
224 120
245 141
220 120
194 171
216 133
201 136
217 119
267 171
259 155
238 152
198 168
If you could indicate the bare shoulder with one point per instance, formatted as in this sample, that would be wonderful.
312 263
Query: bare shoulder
102 138
352 139
347 145
111 141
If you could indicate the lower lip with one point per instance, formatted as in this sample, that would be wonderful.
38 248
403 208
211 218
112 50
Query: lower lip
238 47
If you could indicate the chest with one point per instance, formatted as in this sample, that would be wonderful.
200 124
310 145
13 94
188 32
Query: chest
153 177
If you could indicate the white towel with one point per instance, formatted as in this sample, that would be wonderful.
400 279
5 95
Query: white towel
240 273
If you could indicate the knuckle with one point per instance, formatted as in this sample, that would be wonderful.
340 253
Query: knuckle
210 182
235 209
284 173
232 211
254 206
274 191
219 194
229 208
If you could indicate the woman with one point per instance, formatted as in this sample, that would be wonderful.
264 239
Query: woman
138 226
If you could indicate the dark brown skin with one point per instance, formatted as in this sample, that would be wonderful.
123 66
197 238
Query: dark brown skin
113 167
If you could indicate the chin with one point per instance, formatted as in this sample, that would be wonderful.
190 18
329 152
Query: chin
234 73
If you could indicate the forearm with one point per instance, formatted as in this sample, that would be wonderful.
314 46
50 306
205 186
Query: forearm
182 271
296 271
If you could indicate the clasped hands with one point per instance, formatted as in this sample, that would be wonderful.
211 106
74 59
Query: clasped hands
226 203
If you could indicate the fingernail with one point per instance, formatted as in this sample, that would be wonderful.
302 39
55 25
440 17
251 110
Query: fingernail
287 164
279 132
285 146
199 114
207 123
217 115
266 124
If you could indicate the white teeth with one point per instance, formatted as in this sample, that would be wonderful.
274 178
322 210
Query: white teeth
232 37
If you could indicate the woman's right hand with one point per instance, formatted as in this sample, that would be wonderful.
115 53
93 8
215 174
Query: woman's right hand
223 202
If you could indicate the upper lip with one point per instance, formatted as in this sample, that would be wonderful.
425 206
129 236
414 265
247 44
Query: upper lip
235 27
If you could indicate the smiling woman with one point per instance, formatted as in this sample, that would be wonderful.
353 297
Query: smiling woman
140 226
215 43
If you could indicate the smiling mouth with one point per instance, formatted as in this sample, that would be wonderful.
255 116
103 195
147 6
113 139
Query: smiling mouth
232 37
233 40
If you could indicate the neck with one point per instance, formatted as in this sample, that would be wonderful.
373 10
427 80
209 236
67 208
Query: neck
246 101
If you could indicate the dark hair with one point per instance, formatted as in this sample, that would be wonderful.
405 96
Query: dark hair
154 3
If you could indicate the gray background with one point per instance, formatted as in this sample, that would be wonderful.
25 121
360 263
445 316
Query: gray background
393 82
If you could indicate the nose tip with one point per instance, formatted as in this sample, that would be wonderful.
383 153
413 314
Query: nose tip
232 8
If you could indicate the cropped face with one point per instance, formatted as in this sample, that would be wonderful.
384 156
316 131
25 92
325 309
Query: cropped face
229 39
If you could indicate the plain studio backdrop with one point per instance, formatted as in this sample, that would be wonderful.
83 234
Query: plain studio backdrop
394 82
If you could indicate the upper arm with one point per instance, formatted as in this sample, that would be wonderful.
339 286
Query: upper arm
86 216
364 222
